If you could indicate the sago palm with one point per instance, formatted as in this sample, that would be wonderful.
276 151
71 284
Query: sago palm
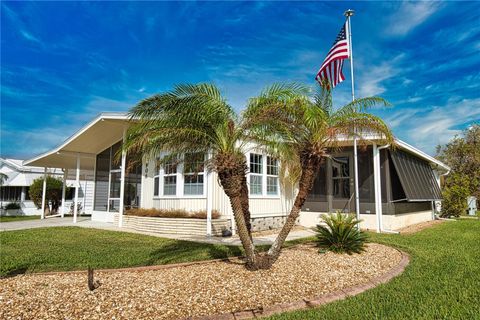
197 119
340 234
301 130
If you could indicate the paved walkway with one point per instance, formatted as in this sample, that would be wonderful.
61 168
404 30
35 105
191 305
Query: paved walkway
86 222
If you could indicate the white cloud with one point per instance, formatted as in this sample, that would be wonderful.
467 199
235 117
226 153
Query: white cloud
410 15
371 82
436 125
30 37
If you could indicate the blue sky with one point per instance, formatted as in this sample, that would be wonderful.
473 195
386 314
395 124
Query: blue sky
64 62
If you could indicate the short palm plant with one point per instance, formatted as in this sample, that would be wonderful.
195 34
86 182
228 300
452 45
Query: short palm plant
340 234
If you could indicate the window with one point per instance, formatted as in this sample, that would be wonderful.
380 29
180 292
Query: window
341 177
170 178
193 171
256 172
156 178
10 193
272 176
263 182
181 178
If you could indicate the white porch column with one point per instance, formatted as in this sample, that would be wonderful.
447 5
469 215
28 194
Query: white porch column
44 193
65 173
378 188
22 195
77 185
209 202
122 181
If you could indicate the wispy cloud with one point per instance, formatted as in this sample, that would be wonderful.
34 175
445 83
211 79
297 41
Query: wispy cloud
409 15
30 37
426 127
373 77
20 25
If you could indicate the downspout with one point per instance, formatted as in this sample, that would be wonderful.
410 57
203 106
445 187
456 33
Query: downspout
440 186
380 195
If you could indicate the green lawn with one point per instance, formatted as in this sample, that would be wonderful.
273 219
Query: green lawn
73 248
441 282
17 218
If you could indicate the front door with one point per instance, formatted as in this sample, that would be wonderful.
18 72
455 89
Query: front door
342 183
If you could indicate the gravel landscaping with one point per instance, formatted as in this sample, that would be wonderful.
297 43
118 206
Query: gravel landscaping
193 290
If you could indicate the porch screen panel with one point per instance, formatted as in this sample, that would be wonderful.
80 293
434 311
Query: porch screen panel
416 177
101 180
133 185
319 190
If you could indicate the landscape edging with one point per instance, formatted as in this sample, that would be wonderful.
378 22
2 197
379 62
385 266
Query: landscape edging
313 302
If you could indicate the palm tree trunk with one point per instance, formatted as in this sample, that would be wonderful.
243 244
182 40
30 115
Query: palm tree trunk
310 168
246 206
231 174
243 233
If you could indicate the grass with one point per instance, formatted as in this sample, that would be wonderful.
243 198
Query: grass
17 218
441 281
74 248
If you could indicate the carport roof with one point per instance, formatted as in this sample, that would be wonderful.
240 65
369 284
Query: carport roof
103 131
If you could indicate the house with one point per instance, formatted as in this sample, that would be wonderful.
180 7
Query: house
19 178
397 186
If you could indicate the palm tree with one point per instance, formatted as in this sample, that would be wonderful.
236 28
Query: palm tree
197 119
301 132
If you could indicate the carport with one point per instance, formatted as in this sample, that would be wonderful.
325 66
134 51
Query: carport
79 152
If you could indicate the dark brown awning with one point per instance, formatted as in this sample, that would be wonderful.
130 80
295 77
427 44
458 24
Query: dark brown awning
416 176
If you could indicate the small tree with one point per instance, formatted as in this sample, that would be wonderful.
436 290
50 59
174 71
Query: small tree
455 193
53 195
462 154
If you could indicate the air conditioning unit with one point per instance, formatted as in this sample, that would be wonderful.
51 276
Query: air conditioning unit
472 206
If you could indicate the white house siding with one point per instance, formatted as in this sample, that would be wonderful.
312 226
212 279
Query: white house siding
266 212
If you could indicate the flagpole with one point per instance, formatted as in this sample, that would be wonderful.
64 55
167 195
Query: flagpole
348 14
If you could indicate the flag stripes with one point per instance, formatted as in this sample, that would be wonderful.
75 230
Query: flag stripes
330 72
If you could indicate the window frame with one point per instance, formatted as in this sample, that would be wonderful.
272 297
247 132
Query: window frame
348 179
264 175
180 182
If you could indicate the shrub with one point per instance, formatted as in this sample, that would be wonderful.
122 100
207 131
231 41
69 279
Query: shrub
12 206
340 234
53 194
455 193
172 213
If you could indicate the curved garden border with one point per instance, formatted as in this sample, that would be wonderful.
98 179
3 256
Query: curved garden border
305 303
313 302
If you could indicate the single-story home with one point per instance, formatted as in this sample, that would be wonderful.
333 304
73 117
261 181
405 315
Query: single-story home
397 186
15 188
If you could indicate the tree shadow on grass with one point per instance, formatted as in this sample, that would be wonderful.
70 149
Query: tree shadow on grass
14 272
186 251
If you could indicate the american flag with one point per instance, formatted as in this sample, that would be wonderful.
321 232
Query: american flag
331 69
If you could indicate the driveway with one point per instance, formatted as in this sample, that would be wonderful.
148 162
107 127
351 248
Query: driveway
85 222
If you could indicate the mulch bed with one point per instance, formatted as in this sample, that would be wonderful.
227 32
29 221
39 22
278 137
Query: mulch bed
420 226
192 290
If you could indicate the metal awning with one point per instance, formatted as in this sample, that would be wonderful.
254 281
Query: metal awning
99 134
416 177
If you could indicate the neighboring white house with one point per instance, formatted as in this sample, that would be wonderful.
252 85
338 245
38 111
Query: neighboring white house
15 189
397 187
